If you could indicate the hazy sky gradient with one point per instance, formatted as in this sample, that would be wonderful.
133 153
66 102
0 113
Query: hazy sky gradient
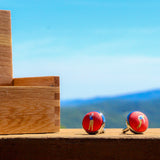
98 47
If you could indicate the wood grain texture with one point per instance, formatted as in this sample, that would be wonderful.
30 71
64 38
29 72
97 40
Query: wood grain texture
26 109
37 81
76 144
32 105
79 133
5 48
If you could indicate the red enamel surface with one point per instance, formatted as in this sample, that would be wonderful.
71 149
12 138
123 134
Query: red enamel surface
97 122
138 121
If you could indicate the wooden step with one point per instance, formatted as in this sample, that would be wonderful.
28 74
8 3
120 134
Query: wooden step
29 109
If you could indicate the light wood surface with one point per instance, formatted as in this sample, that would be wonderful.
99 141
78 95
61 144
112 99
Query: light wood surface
112 133
26 109
5 48
37 81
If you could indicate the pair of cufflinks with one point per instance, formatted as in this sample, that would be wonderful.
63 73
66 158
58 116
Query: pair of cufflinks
94 122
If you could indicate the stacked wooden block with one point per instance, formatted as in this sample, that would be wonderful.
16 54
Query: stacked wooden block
27 105
5 49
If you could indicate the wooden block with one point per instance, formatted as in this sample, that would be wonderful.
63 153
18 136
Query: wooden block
5 48
32 105
25 109
37 81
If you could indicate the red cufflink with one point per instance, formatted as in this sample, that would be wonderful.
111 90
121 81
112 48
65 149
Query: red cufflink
93 122
137 122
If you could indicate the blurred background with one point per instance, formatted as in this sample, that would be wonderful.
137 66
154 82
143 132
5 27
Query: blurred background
105 52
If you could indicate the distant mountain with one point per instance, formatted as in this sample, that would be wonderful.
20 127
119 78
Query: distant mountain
115 109
153 94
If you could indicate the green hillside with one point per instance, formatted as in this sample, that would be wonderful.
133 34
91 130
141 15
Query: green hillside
115 109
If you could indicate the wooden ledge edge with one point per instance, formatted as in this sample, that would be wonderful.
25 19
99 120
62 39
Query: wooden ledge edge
71 134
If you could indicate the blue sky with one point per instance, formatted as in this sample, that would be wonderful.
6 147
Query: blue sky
98 47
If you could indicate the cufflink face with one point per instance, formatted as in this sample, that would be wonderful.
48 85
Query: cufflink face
137 122
93 122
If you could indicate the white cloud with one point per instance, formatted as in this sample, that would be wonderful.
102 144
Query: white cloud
85 76
105 68
134 30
